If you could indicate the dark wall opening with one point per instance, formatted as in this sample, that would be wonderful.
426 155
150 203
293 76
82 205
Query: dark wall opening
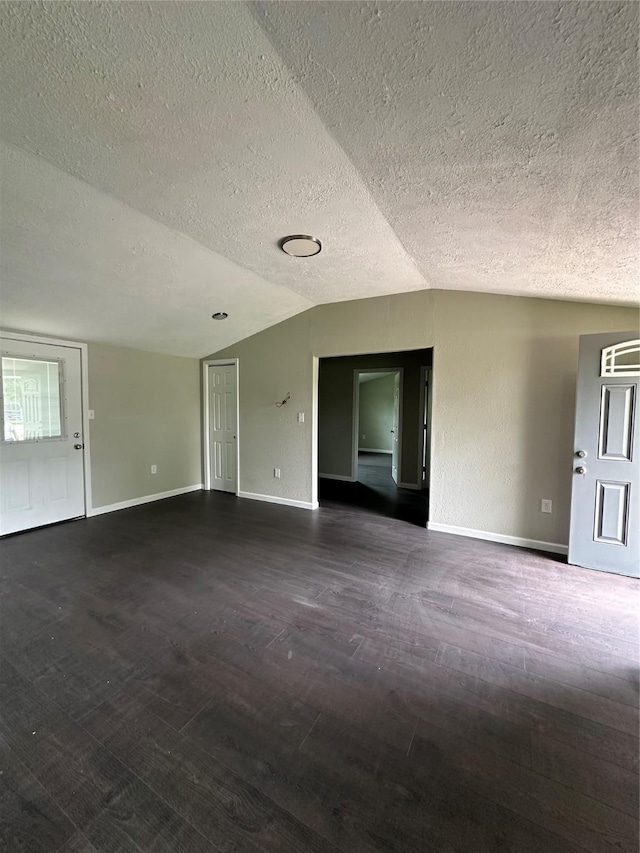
337 434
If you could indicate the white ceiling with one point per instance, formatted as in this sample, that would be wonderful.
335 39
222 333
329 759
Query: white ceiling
154 153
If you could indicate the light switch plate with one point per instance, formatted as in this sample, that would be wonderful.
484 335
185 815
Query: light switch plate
92 414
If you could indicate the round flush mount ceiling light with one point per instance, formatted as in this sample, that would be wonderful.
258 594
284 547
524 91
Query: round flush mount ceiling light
220 315
300 245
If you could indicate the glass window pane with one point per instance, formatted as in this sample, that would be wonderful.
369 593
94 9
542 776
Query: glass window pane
31 393
621 359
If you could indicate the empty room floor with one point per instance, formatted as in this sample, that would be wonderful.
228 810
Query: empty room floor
211 674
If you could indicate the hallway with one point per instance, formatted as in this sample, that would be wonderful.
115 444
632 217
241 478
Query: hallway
375 492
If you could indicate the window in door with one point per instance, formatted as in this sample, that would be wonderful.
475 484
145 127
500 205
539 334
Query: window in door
32 402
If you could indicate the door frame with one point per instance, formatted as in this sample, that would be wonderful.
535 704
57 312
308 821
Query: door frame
84 397
206 436
424 440
356 417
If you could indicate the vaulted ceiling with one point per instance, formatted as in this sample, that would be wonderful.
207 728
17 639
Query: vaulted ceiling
155 153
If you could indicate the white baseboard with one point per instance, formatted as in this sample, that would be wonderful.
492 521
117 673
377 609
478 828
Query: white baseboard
409 486
145 499
341 477
372 450
518 541
272 499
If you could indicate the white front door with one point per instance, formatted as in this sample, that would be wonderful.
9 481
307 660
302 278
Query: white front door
41 447
223 428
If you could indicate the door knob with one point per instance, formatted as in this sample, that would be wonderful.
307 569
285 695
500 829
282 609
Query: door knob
581 454
77 447
581 469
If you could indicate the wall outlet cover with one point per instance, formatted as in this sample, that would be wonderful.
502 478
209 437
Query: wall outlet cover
546 505
276 473
154 469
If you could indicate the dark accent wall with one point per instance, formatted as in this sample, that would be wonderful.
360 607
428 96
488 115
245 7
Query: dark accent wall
335 409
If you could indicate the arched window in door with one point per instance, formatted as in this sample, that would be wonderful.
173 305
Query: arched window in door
621 359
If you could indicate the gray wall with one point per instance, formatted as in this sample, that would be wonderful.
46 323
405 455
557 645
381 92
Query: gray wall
504 371
335 411
147 411
376 414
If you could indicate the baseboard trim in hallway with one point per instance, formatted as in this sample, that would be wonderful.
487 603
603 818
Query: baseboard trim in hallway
518 541
341 477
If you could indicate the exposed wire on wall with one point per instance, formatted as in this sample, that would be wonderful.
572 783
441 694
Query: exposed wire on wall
286 400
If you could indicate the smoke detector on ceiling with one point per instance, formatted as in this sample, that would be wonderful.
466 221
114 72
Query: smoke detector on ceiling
300 245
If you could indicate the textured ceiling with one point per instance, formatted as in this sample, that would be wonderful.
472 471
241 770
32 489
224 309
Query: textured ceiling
154 153
499 139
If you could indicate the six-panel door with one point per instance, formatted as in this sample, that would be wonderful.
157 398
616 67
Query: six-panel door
605 502
222 427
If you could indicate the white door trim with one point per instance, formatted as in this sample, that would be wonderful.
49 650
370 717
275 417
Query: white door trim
356 416
84 374
315 378
206 443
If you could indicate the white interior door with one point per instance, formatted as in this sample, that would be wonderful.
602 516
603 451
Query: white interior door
223 427
41 448
605 498
396 428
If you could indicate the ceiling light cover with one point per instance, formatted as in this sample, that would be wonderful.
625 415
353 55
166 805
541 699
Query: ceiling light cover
220 315
300 245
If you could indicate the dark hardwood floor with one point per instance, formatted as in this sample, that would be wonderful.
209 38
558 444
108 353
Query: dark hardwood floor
211 674
376 492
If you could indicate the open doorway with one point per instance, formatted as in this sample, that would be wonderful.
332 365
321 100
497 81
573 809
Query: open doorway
377 424
373 433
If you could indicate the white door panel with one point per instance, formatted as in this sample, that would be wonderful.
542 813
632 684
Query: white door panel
41 445
223 427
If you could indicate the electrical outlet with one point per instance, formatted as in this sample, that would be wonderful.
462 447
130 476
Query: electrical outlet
546 505
363 436
92 415
300 417
154 469
276 473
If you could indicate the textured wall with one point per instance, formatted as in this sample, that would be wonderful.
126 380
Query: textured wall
376 414
503 395
147 411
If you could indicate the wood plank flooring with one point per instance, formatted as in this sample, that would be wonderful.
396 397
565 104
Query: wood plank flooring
211 674
375 492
